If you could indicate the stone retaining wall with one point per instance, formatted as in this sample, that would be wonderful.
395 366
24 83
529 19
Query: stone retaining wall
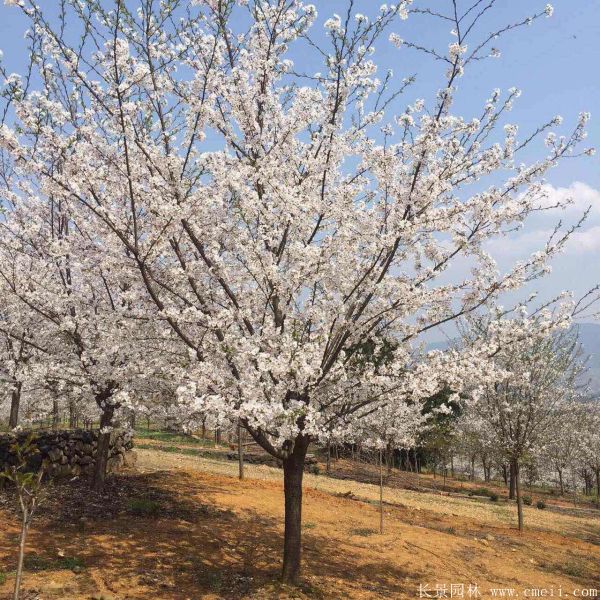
69 453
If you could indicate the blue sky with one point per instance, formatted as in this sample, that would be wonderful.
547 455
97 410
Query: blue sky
554 62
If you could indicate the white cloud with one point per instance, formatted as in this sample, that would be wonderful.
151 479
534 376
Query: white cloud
581 194
585 241
539 228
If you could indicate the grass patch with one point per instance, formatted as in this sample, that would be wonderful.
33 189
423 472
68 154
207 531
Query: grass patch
573 569
186 451
215 581
36 563
142 507
72 562
482 491
363 531
168 436
2 578
309 525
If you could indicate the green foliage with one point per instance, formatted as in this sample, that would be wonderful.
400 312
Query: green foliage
376 352
2 578
482 491
527 500
442 398
574 569
437 439
363 531
143 507
22 452
36 563
186 451
167 436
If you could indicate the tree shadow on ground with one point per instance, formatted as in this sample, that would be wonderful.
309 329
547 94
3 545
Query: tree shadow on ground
175 542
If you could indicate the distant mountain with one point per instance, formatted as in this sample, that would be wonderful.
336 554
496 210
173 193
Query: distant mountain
589 338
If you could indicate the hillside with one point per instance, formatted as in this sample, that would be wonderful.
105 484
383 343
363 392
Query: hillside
183 527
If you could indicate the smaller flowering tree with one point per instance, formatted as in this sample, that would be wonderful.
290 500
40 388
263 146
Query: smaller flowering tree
86 332
15 358
532 385
395 425
589 442
565 448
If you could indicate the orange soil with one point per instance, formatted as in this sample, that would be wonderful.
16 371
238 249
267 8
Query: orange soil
221 538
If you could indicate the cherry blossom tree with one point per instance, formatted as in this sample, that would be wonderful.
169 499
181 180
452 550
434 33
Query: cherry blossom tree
84 315
589 441
15 357
564 449
392 426
272 215
531 388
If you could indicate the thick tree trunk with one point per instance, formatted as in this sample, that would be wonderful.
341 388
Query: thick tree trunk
505 474
293 471
15 403
511 485
240 451
518 492
561 482
101 465
55 420
417 470
72 415
588 483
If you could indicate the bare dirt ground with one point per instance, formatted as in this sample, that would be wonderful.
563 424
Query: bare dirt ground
181 526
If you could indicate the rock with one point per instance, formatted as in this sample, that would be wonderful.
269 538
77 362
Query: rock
68 453
55 455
